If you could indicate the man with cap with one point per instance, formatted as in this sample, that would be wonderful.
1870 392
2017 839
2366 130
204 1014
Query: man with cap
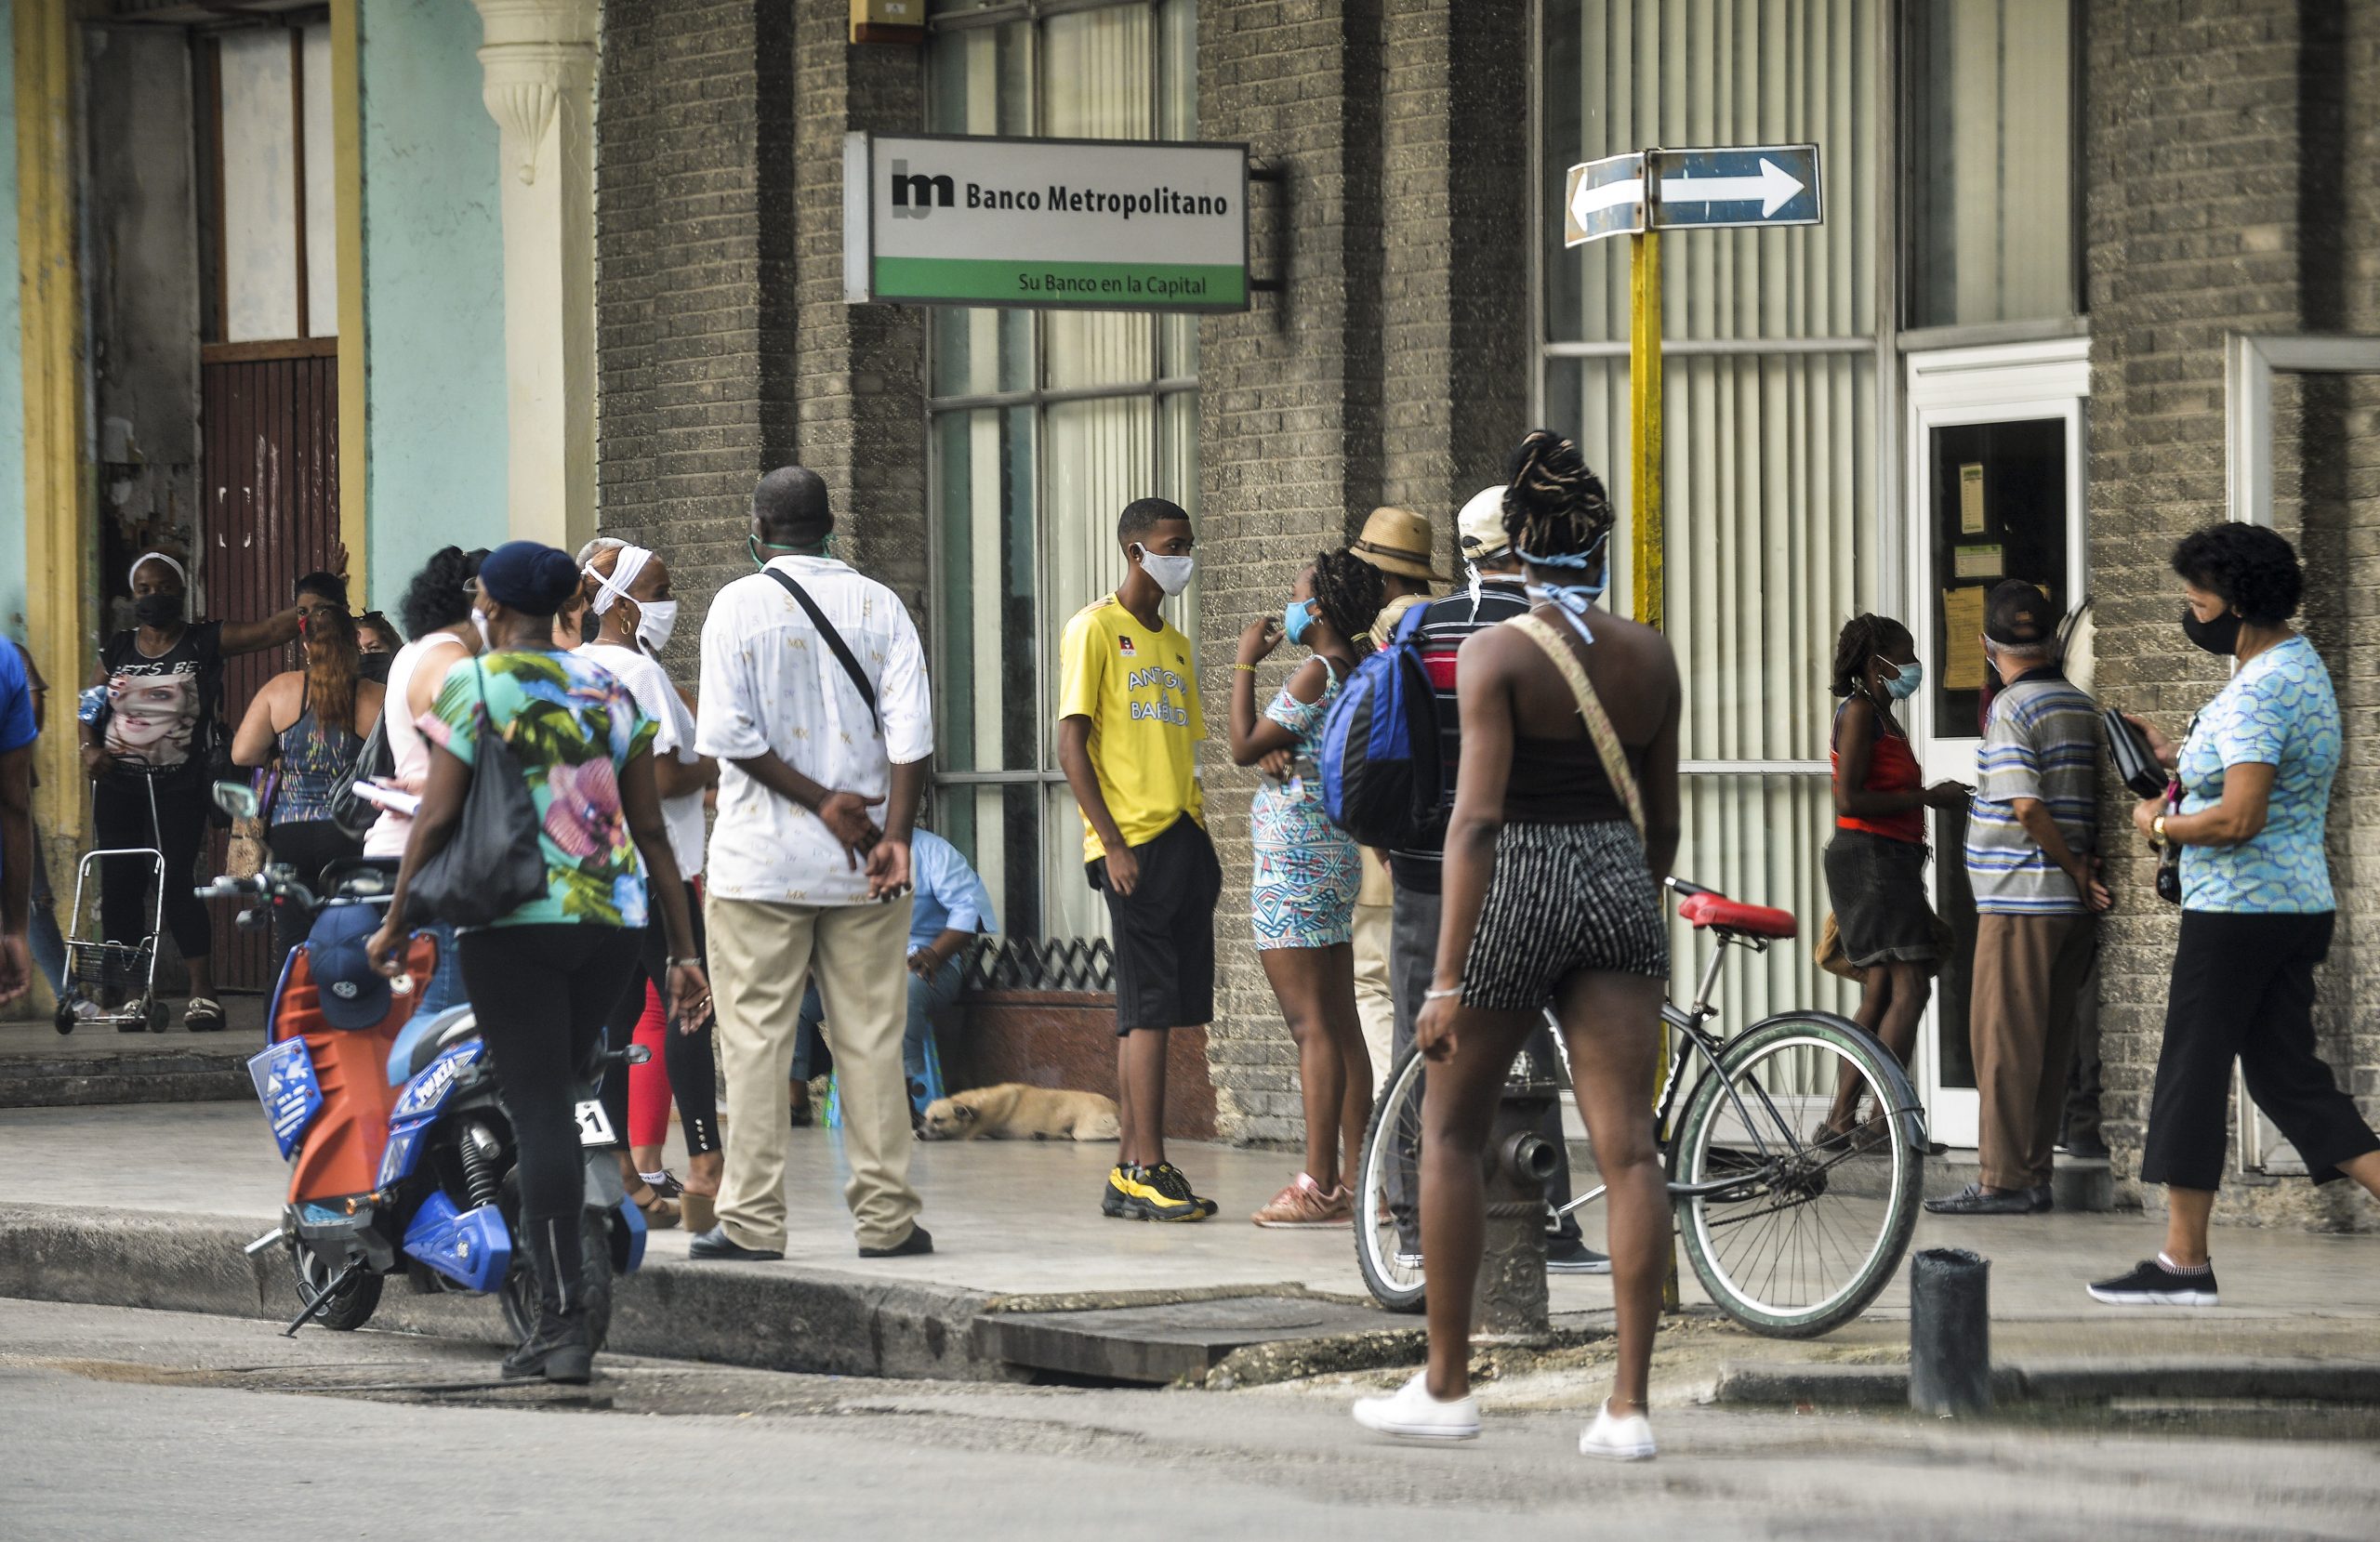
1397 542
1496 591
2032 833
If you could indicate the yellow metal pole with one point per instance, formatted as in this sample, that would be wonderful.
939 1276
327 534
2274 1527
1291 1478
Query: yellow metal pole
346 183
1645 421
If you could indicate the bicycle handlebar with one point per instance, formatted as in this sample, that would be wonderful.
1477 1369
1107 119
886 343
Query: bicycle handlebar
1682 886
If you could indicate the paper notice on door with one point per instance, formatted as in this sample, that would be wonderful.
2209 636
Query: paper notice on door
1963 640
1971 499
1977 562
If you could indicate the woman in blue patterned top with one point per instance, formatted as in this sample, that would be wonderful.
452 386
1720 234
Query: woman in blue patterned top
2254 773
1308 873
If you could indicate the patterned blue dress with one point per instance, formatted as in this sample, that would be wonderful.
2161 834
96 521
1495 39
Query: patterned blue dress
1307 870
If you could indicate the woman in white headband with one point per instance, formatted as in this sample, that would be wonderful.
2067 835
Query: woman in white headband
152 749
629 603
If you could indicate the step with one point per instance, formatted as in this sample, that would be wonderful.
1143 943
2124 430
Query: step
1186 1341
42 1068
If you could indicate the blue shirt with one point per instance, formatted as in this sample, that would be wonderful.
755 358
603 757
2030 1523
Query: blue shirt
2278 711
949 896
2043 743
16 700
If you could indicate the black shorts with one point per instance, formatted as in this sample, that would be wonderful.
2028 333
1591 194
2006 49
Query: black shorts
1165 931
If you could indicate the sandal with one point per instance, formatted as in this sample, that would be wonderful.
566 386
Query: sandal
664 1184
660 1214
203 1016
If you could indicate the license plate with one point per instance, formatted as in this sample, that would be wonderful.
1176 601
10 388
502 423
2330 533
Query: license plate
594 1124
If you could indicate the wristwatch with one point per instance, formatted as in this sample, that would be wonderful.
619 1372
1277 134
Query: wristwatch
2157 827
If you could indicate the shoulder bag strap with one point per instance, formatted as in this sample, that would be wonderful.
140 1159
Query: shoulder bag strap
834 644
1606 738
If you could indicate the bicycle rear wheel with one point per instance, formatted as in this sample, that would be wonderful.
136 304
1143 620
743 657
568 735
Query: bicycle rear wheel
1799 1232
1388 1193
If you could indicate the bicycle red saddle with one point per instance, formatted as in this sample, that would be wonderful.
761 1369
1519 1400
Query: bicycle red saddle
1718 912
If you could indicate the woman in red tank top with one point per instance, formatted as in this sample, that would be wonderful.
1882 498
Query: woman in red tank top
1876 865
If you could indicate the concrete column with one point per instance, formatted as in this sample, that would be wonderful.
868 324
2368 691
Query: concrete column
539 60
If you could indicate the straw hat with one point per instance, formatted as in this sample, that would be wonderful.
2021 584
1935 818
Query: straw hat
1397 541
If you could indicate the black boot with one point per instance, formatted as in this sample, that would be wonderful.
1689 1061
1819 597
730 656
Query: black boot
559 1347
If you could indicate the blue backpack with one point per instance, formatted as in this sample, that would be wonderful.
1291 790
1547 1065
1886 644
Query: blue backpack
1379 748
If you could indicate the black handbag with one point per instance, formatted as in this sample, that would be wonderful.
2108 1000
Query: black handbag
2136 766
492 864
353 813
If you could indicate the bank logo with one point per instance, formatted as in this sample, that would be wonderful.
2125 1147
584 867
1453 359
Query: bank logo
916 196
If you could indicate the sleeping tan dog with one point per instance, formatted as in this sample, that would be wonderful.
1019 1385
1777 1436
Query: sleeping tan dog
1015 1112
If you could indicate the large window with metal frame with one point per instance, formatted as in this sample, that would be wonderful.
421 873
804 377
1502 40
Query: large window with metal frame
1042 425
1772 460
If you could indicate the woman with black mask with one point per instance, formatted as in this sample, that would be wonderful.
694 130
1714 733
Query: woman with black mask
152 752
544 977
2257 907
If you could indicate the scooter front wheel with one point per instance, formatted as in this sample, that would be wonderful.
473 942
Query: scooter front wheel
350 1306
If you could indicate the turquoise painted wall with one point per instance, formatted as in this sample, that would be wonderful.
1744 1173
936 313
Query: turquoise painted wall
12 372
433 289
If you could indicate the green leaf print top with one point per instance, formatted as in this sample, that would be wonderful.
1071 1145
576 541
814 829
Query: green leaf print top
573 727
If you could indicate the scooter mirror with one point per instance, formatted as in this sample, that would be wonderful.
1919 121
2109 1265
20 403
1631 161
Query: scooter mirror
237 798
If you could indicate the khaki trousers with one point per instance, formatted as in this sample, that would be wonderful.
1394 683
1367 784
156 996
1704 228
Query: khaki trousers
2028 975
761 958
1375 1002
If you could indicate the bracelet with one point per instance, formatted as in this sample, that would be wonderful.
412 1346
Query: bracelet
1249 667
685 963
1442 995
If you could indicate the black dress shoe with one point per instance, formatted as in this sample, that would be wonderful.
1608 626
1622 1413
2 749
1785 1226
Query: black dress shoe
918 1241
1976 1200
716 1244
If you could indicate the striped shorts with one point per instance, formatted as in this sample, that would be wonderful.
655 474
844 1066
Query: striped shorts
1566 899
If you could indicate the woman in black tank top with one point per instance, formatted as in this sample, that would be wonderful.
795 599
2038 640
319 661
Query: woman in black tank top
1551 897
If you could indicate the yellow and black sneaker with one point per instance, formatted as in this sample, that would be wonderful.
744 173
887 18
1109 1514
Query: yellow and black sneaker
1163 1193
1116 1200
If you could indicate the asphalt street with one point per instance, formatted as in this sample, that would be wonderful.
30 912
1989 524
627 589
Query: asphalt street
123 1424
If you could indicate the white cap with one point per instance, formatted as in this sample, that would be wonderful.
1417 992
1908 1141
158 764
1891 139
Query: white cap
1479 528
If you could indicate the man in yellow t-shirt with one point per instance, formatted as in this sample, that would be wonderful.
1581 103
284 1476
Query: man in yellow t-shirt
1129 727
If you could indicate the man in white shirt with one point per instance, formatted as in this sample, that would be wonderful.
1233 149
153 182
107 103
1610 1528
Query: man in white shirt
814 701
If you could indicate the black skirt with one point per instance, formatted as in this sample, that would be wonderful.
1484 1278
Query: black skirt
1877 887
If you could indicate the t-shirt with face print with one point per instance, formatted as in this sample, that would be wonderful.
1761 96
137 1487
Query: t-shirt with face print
162 708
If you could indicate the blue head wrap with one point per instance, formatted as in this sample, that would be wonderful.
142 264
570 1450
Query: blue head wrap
528 576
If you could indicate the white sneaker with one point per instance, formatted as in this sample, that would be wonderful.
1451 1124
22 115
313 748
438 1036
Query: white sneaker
1413 1413
1624 1438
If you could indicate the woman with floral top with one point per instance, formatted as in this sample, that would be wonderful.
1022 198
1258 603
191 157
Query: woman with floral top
1308 872
544 977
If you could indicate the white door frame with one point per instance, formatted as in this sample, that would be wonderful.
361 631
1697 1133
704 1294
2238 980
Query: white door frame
2010 383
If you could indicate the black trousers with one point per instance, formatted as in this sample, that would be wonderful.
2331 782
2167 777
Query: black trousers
2244 990
308 845
693 1068
541 993
120 817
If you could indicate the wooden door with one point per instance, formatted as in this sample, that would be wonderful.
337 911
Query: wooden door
270 416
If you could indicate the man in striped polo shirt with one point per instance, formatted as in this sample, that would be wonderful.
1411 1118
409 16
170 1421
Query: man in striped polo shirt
2032 835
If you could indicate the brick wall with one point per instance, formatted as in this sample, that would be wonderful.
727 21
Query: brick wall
694 334
2214 138
1393 369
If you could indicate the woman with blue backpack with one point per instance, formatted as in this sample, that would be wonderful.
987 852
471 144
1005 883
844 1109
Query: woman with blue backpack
1308 873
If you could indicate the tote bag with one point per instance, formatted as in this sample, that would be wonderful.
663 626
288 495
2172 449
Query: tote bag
491 864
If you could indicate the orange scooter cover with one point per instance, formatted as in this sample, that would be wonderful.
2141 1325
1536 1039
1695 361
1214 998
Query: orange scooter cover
341 1154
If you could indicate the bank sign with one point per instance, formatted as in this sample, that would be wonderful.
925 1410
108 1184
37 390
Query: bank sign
1055 224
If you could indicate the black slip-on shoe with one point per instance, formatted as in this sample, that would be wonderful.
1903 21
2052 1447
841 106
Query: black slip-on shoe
716 1244
1569 1256
1976 1200
919 1241
2153 1284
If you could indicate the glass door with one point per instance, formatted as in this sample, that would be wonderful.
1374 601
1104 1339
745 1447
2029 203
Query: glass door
1995 491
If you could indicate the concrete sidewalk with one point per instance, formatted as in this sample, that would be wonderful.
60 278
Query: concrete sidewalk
1016 1227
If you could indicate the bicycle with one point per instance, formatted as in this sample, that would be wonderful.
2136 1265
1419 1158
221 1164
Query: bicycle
1762 1184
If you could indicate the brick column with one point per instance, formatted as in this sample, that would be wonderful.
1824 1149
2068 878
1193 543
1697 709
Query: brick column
861 374
2214 144
694 300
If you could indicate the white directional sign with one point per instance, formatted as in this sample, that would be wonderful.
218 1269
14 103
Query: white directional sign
1755 185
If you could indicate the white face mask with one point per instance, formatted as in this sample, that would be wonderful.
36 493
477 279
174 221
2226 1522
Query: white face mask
654 621
479 624
1173 573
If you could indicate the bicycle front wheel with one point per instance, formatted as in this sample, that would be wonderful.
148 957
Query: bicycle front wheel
1794 1229
1388 1195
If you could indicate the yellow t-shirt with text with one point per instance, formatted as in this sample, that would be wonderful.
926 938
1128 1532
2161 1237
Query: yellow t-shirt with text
1140 693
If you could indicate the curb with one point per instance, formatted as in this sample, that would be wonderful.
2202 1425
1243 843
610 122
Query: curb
2077 1380
820 1323
76 1081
